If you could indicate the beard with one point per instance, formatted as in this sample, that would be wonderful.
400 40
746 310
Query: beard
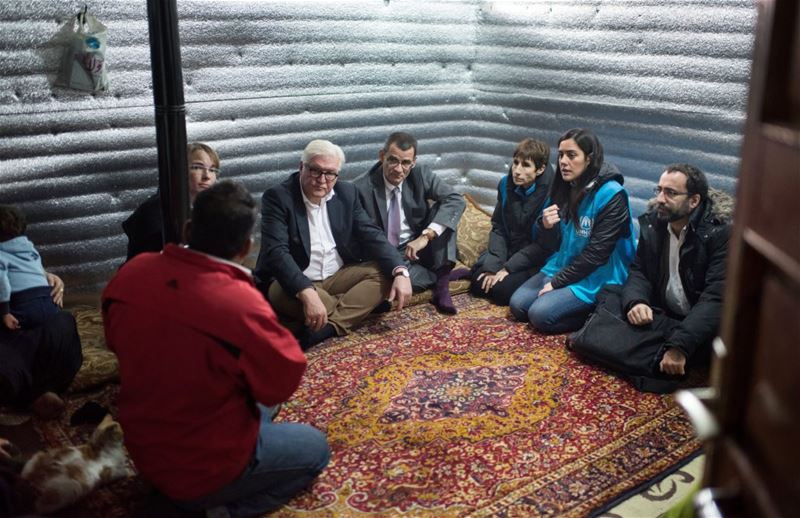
668 215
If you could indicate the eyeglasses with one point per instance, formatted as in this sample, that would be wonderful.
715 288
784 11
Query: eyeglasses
669 193
393 161
199 168
316 173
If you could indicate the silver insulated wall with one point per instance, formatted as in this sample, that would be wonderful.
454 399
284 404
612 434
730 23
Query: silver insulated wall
659 81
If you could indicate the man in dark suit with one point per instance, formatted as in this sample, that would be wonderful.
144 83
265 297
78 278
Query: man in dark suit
323 263
419 213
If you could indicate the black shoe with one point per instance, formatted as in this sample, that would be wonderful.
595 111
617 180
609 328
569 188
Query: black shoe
309 338
383 307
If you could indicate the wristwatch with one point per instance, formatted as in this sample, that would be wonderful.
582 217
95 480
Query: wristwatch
429 233
402 271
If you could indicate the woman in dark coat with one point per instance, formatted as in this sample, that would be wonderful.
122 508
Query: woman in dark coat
144 227
514 253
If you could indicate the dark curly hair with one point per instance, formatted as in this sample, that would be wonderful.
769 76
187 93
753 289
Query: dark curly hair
222 219
696 182
12 222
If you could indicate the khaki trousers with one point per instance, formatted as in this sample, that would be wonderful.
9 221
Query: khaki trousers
349 295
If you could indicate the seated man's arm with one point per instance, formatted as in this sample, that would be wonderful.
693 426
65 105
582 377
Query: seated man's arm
372 241
448 204
377 248
314 310
637 290
271 359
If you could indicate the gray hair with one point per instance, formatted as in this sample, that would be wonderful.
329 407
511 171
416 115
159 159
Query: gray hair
323 148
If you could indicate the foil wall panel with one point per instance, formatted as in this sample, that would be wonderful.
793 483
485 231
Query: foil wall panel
658 80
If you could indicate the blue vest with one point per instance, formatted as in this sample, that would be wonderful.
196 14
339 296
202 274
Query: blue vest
573 241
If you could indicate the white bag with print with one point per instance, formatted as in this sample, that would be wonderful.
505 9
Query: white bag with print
83 66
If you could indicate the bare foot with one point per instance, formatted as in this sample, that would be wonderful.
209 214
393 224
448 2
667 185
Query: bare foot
48 406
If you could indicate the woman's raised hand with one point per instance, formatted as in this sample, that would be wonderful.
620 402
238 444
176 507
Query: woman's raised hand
550 216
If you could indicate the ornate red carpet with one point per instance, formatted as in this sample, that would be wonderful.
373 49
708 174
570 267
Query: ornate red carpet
473 415
476 416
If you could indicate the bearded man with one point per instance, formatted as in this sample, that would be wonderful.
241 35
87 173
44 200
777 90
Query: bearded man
672 299
680 266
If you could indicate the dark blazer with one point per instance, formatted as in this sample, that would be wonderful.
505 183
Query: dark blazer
426 199
285 242
701 269
419 187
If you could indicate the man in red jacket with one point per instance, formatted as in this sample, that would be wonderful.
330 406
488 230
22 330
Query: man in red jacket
201 355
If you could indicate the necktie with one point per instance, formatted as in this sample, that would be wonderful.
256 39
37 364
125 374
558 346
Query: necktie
393 232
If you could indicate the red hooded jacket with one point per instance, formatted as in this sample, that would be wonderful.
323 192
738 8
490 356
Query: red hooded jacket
197 346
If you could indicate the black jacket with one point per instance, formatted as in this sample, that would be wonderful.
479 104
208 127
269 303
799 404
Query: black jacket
144 228
286 244
511 243
612 223
701 268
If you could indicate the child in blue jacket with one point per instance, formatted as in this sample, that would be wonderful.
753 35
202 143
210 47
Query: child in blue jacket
25 298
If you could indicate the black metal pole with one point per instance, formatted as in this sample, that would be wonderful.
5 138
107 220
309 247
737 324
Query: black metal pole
165 57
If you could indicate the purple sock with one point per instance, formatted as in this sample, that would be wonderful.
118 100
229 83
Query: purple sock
459 273
441 292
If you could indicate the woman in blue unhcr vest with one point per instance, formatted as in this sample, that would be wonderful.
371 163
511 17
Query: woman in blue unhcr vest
589 207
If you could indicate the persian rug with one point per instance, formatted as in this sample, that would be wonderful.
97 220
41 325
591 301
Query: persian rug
476 415
472 415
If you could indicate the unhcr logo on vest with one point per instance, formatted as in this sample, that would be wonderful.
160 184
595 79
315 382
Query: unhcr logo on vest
585 229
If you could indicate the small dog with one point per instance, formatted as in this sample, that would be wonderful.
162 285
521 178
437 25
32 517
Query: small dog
62 476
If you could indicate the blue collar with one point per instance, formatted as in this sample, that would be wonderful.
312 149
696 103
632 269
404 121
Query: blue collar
526 192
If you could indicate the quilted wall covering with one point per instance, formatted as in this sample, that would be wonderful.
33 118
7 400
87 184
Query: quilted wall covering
658 80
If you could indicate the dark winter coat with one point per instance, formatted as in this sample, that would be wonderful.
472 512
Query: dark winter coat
144 228
701 268
511 242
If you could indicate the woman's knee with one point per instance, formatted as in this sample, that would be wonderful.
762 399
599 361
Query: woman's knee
542 317
519 305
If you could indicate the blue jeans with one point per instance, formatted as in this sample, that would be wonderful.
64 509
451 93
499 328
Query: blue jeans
287 458
557 311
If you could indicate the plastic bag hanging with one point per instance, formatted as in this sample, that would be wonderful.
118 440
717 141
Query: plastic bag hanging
83 66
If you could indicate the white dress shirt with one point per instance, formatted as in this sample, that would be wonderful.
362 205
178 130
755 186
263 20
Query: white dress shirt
324 259
405 230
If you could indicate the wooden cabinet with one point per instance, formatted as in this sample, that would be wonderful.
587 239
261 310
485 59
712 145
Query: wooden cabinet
754 462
